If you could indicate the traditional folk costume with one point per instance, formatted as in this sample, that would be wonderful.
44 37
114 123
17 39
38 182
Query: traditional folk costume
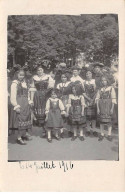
64 96
19 98
106 96
90 91
77 78
75 104
54 108
40 88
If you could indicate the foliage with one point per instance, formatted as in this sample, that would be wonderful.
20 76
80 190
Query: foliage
57 37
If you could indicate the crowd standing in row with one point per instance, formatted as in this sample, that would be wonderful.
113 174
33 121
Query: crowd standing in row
64 100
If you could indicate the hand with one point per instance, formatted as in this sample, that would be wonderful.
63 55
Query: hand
31 105
18 110
66 115
111 111
82 114
46 119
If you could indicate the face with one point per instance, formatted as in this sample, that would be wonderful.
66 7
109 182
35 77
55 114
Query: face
74 90
104 81
89 75
97 69
75 72
53 95
63 78
21 75
40 71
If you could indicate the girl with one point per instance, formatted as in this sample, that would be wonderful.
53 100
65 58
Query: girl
106 98
75 111
39 89
20 116
63 87
54 111
90 95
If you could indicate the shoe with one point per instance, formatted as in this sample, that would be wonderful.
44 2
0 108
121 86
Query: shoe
87 133
95 133
49 140
58 138
73 138
21 142
62 135
109 138
81 138
27 138
101 138
70 134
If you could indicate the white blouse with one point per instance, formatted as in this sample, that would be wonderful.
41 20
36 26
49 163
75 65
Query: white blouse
42 78
113 94
91 82
60 85
13 93
61 106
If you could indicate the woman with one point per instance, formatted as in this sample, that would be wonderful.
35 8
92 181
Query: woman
20 115
39 89
90 95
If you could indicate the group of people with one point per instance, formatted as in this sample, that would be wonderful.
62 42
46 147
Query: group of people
61 101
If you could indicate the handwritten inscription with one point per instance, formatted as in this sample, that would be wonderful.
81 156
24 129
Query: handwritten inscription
65 166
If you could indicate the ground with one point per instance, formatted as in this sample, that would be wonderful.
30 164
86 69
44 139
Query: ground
39 149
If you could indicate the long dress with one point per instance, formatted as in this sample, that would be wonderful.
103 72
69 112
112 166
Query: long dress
41 86
90 91
54 107
105 98
75 104
19 98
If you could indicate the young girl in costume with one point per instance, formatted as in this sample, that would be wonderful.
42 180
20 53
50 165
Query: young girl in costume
54 119
90 95
75 111
63 88
106 98
20 115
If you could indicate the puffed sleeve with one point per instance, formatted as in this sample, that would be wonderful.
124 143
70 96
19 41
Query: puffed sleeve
61 106
113 95
69 101
13 95
32 86
82 101
58 86
51 82
47 106
97 96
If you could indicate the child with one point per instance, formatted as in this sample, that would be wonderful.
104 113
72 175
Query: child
106 98
63 87
75 111
54 111
90 95
20 116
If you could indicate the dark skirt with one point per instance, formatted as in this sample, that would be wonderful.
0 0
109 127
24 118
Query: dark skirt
39 107
105 107
90 112
21 121
75 117
55 119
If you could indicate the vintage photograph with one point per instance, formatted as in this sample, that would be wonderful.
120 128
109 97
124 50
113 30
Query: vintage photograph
62 75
